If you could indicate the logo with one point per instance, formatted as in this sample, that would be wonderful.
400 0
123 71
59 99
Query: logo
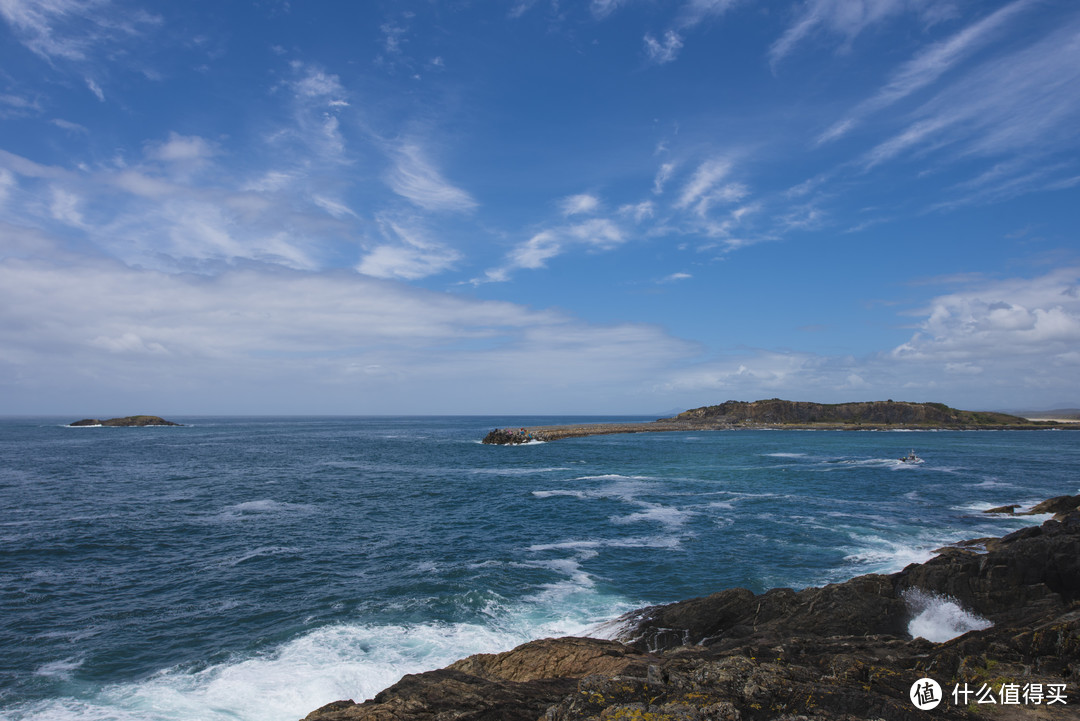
925 694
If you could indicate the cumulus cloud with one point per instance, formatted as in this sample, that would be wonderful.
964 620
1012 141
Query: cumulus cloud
1007 319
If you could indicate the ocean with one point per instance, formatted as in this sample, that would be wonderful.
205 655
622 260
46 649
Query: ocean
258 568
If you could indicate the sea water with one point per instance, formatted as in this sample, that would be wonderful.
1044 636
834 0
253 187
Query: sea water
258 568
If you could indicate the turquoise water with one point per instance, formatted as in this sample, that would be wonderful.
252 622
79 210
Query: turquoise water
243 568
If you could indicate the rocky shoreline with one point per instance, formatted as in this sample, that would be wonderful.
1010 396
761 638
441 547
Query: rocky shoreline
840 652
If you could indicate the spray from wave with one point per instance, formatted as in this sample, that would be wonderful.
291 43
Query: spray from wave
939 618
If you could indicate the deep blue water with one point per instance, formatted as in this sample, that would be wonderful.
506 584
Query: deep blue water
243 568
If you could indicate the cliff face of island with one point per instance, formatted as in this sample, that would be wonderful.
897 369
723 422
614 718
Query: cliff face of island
843 651
126 421
776 411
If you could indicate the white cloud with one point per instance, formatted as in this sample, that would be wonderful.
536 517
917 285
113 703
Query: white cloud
603 8
663 52
335 342
7 184
597 233
705 177
577 204
333 207
65 207
929 65
181 149
318 98
1017 318
315 83
848 19
663 175
674 277
639 211
95 89
694 12
73 30
410 254
413 177
1019 102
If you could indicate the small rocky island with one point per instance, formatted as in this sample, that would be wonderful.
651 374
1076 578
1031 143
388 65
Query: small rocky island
842 652
776 413
126 421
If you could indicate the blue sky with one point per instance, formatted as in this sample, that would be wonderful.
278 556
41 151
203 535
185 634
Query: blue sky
537 206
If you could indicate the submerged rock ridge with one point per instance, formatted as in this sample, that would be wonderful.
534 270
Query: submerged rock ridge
844 651
776 413
126 421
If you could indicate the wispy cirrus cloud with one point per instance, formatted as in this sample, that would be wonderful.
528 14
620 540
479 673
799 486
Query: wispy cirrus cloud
76 35
928 66
415 178
1020 102
848 19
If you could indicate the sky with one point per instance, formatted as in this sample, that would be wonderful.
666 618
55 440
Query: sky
537 206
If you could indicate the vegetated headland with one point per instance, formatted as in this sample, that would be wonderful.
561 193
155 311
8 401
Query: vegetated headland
795 415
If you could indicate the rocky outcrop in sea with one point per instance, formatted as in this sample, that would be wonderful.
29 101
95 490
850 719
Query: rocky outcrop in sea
126 421
845 651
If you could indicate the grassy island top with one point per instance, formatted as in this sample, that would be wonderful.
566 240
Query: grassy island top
777 413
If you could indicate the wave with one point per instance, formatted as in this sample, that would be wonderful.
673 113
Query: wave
939 618
344 660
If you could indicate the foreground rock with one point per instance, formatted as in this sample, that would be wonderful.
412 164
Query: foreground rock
844 651
127 421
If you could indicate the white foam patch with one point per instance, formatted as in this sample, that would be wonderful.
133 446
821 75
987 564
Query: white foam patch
666 515
515 471
939 618
60 669
261 552
262 507
786 455
883 555
580 495
614 477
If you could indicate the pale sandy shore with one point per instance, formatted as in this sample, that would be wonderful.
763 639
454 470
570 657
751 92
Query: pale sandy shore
1054 420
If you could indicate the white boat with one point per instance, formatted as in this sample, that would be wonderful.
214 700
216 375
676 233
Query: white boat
911 458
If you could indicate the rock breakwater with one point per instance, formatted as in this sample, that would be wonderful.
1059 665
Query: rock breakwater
843 651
